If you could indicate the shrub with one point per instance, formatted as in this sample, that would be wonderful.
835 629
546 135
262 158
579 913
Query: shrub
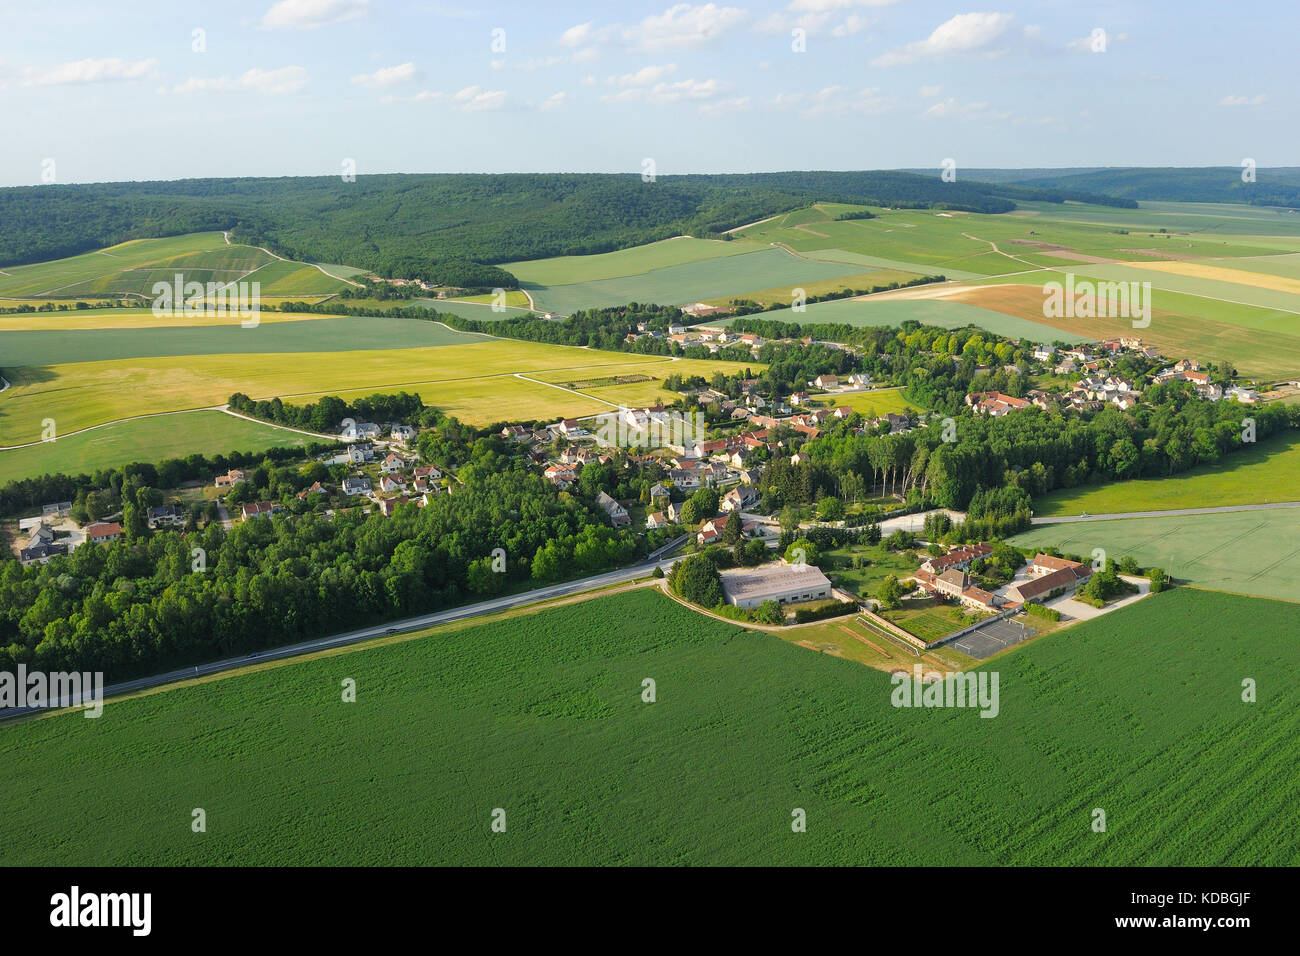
1040 610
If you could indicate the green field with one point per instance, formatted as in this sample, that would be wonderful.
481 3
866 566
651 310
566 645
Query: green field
942 313
871 404
133 268
1265 472
692 281
638 260
147 439
342 334
1247 552
1138 713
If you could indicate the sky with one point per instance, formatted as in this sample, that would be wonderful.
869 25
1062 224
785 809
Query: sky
94 90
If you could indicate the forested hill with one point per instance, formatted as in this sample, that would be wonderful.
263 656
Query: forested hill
1272 186
396 223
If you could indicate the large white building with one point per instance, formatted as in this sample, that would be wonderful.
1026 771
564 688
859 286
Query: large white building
784 583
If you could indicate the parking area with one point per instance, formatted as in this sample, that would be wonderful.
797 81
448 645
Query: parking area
993 637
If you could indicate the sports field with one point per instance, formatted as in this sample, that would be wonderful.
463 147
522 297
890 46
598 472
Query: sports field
1247 552
147 439
1264 472
1138 712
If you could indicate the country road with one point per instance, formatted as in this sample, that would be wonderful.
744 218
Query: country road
492 606
1068 519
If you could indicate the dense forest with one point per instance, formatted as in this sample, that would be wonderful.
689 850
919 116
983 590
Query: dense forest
1272 187
426 223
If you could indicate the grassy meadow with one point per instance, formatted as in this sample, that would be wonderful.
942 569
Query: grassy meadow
1246 552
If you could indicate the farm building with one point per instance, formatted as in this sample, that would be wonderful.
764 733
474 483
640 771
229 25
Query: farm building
1047 576
784 583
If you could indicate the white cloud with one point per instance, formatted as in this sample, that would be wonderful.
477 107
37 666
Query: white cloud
951 108
101 70
928 91
310 14
822 6
1255 100
287 79
734 105
386 76
475 99
835 99
472 99
815 16
554 102
662 93
644 76
964 33
683 27
852 24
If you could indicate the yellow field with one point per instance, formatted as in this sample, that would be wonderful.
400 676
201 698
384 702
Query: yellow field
130 319
475 381
1198 270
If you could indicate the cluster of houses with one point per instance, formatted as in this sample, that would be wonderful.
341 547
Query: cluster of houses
1189 370
948 575
368 431
398 482
43 541
1096 388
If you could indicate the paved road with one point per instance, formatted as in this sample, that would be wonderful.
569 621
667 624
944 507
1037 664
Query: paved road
492 606
1068 519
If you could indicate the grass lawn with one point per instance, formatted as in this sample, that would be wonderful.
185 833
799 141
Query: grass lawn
871 404
929 621
746 727
147 439
865 581
1265 472
1248 552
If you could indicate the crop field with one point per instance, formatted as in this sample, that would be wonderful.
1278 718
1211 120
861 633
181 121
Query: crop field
146 439
133 268
689 282
1267 471
341 334
1247 552
294 278
79 394
861 281
1176 327
481 311
132 318
1138 712
947 313
638 260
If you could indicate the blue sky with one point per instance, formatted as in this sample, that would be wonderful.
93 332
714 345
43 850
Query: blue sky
130 91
